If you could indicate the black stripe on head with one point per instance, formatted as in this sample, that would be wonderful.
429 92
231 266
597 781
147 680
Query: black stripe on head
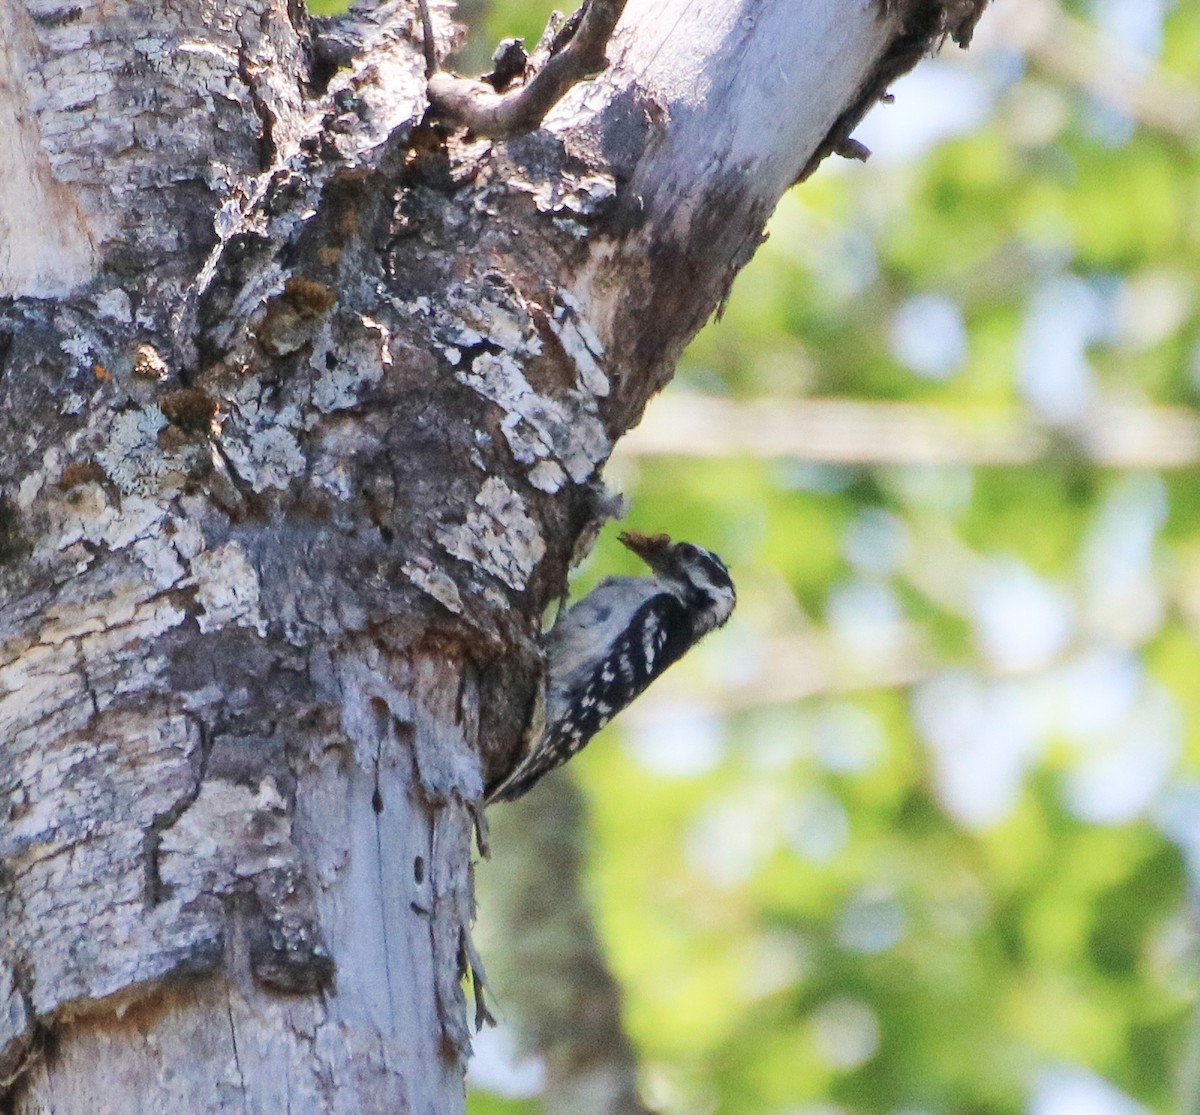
705 561
718 574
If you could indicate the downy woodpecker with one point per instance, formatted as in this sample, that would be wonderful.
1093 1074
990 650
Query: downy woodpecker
614 642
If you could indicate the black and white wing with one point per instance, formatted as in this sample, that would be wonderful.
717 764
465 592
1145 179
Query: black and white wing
611 646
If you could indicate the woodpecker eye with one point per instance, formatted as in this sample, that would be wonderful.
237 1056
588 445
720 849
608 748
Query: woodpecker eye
709 567
720 575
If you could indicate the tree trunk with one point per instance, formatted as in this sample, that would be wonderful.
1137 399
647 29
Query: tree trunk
303 401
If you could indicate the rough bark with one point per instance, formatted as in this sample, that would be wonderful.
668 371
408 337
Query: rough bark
302 406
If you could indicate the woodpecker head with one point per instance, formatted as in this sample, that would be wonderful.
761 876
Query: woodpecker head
696 574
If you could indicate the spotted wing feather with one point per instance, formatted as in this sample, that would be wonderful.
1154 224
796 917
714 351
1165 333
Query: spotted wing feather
594 691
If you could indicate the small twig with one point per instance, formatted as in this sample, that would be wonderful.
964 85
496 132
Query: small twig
431 62
850 148
479 980
482 840
485 112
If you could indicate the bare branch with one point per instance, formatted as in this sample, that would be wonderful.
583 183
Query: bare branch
1068 49
428 45
848 431
794 666
485 112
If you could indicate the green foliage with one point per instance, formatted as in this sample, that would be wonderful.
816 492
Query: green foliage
797 930
486 1103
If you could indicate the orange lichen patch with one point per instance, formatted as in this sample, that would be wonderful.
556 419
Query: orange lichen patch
190 409
80 472
292 316
308 297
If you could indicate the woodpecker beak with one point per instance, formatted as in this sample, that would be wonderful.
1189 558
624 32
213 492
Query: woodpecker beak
654 549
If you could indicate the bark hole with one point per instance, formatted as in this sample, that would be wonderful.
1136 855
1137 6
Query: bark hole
12 544
382 715
382 727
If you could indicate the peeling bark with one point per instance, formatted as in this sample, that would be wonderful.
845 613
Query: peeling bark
303 402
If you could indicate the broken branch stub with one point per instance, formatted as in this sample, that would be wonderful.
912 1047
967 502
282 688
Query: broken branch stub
477 106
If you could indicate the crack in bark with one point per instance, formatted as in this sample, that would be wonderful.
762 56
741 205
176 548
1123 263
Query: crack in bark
175 592
267 149
85 677
379 860
29 1046
67 847
237 1060
155 891
13 544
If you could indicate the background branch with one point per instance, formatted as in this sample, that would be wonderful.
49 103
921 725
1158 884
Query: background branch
851 431
551 973
1065 48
